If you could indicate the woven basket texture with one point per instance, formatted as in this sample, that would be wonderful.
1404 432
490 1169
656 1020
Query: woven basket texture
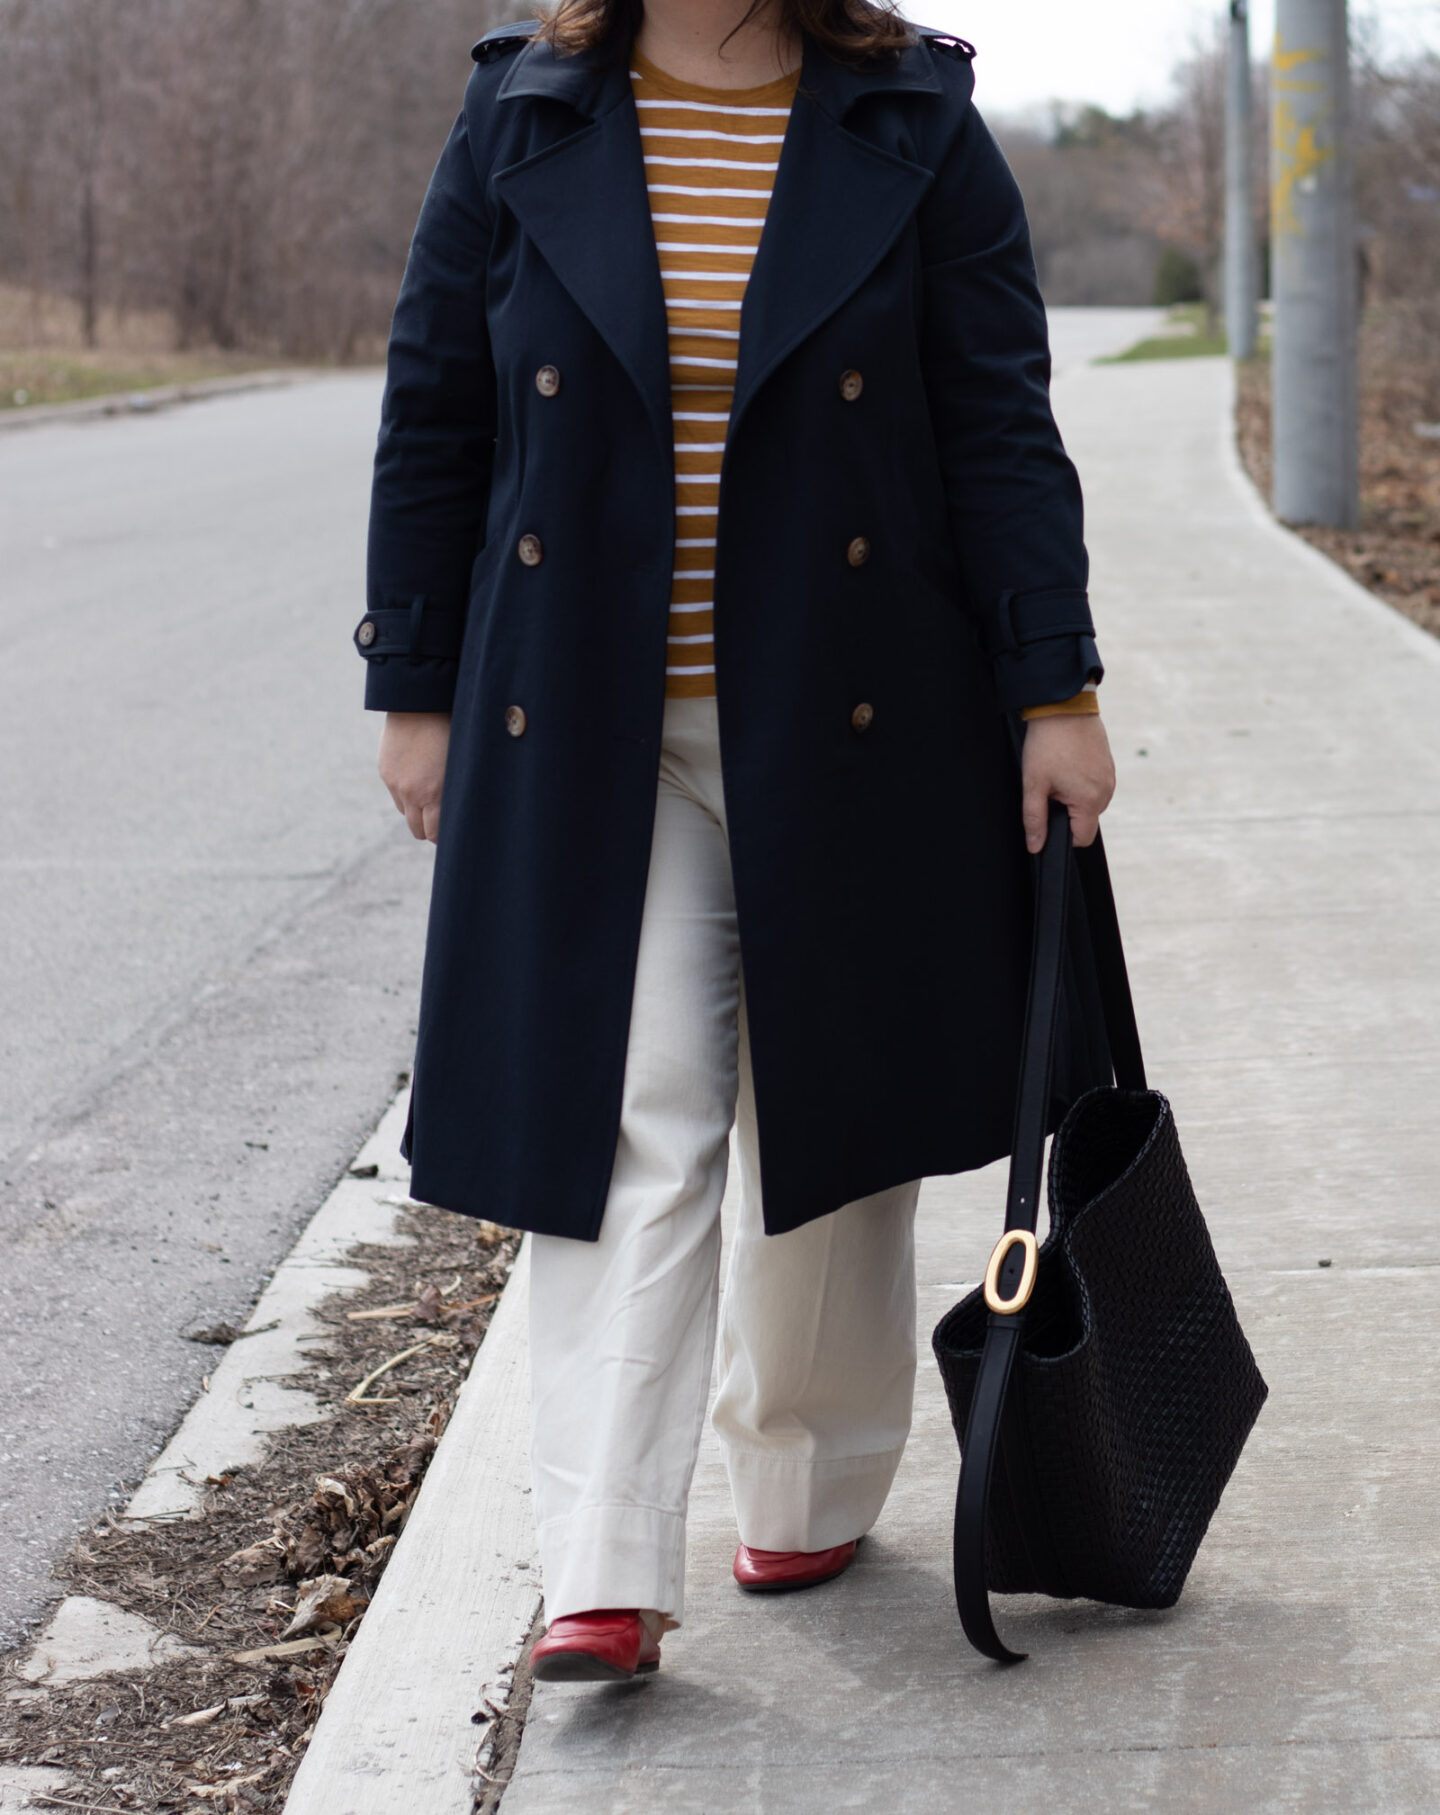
1134 1390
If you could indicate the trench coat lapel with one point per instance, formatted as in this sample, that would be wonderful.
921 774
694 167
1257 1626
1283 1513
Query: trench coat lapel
584 204
838 205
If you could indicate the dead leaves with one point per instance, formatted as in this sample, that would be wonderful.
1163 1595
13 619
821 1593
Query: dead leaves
253 1566
357 1395
1396 553
328 1502
267 1654
454 1323
221 1335
344 1531
325 1601
430 1306
217 1792
435 1307
202 1717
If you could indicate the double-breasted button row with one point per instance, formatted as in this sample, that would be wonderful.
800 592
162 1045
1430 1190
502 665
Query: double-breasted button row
858 552
547 380
531 550
515 720
851 384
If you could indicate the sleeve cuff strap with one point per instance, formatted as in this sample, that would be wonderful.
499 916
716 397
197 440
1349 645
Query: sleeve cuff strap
1043 673
416 629
1022 618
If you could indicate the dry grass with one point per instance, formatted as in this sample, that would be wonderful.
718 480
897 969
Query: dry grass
43 358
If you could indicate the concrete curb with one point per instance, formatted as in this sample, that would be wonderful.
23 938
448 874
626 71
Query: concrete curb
227 1426
428 1675
243 1403
159 397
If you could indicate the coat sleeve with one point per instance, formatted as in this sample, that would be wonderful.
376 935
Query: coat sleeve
436 449
1013 495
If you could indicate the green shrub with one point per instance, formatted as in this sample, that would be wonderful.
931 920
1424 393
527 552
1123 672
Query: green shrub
1177 279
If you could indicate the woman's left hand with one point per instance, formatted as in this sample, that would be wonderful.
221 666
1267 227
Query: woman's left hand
1065 758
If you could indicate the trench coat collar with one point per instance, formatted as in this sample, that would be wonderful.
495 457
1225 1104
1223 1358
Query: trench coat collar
593 83
838 205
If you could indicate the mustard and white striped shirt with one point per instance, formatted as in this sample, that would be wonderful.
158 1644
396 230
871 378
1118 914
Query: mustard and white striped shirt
710 158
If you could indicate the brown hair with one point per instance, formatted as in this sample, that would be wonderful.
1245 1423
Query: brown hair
853 31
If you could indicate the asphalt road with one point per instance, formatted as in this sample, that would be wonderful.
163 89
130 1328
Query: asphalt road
211 917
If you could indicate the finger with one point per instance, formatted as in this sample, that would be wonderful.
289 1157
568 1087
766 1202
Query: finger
1084 824
386 772
415 819
1034 814
431 820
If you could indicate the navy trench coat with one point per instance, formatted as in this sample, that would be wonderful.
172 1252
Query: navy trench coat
882 887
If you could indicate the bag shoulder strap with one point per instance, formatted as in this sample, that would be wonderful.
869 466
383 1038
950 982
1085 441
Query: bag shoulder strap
1120 1029
1011 1274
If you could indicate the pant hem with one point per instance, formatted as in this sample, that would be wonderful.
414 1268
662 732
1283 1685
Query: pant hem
614 1556
784 1502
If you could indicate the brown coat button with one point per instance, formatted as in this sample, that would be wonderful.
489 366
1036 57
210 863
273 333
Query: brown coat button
367 633
851 385
531 550
858 553
547 380
863 716
515 720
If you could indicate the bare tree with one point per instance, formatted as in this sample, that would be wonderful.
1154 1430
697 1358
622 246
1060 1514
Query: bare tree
1108 195
1189 211
251 167
1089 184
251 170
1398 205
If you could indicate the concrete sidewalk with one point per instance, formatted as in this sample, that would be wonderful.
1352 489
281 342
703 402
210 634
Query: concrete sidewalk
1276 845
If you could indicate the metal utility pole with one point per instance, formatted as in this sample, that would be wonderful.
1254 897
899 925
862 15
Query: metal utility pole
1241 273
1313 266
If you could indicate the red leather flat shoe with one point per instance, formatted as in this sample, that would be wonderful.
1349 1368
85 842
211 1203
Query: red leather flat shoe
609 1645
775 1571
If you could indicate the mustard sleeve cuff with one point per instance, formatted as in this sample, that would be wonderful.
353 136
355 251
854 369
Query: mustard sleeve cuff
1079 705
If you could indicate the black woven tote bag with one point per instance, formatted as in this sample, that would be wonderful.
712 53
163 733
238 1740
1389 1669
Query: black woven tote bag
1100 1385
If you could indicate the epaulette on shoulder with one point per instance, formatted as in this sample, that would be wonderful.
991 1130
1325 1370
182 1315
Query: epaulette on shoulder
947 41
504 39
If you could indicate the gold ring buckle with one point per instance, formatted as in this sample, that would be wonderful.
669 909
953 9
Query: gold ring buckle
1008 1306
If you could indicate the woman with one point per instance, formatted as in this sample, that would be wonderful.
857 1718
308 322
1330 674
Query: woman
722 541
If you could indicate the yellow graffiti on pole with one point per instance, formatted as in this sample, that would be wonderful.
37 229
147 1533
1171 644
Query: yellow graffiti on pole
1297 151
1286 60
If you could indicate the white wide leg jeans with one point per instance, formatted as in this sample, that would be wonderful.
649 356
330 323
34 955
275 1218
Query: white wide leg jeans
817 1331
